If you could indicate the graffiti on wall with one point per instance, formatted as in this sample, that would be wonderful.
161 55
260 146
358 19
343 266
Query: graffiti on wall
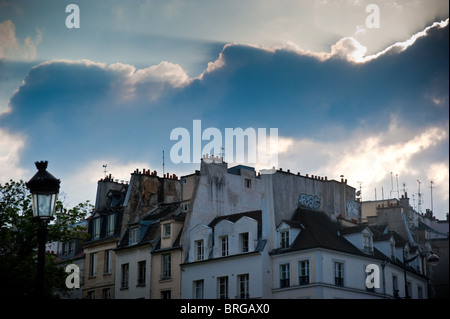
309 201
352 208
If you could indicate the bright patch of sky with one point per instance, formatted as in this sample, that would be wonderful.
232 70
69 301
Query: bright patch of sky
347 99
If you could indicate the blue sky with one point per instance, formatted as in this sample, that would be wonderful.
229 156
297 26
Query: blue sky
367 103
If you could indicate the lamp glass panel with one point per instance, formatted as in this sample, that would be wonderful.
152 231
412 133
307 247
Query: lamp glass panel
43 205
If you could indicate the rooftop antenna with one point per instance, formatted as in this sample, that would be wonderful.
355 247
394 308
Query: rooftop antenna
431 188
419 200
104 168
398 193
360 190
375 194
392 187
163 163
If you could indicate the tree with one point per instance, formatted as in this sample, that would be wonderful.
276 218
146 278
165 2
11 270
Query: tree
18 241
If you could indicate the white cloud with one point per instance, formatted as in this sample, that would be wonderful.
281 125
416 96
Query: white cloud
370 159
8 40
10 149
12 48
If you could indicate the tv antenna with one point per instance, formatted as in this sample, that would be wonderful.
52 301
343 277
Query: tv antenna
104 168
431 188
359 193
419 200
163 163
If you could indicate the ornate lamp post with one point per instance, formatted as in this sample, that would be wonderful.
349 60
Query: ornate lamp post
44 189
432 260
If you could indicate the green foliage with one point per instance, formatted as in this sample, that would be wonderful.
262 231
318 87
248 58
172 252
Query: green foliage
18 241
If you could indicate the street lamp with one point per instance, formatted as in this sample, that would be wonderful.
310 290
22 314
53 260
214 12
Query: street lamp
432 260
44 189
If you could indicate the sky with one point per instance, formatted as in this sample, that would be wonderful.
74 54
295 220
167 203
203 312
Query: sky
354 88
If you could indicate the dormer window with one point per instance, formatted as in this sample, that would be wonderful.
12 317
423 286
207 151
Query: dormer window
367 244
134 236
199 250
95 228
167 230
110 219
392 250
284 243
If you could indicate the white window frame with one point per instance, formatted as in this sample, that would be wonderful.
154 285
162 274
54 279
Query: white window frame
244 240
110 223
304 271
107 269
199 250
96 228
339 272
224 247
284 239
134 236
93 265
222 287
166 266
167 230
243 286
285 274
198 288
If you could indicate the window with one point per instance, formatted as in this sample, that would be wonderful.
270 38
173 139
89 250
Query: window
166 294
106 293
110 221
223 287
167 230
224 245
166 266
95 228
244 242
93 265
107 269
124 276
303 275
367 244
91 294
65 248
198 289
392 249
409 286
395 286
248 183
134 236
142 269
284 239
419 292
243 281
199 250
71 247
285 275
339 274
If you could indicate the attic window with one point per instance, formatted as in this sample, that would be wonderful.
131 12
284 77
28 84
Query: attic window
284 242
367 244
134 236
167 230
